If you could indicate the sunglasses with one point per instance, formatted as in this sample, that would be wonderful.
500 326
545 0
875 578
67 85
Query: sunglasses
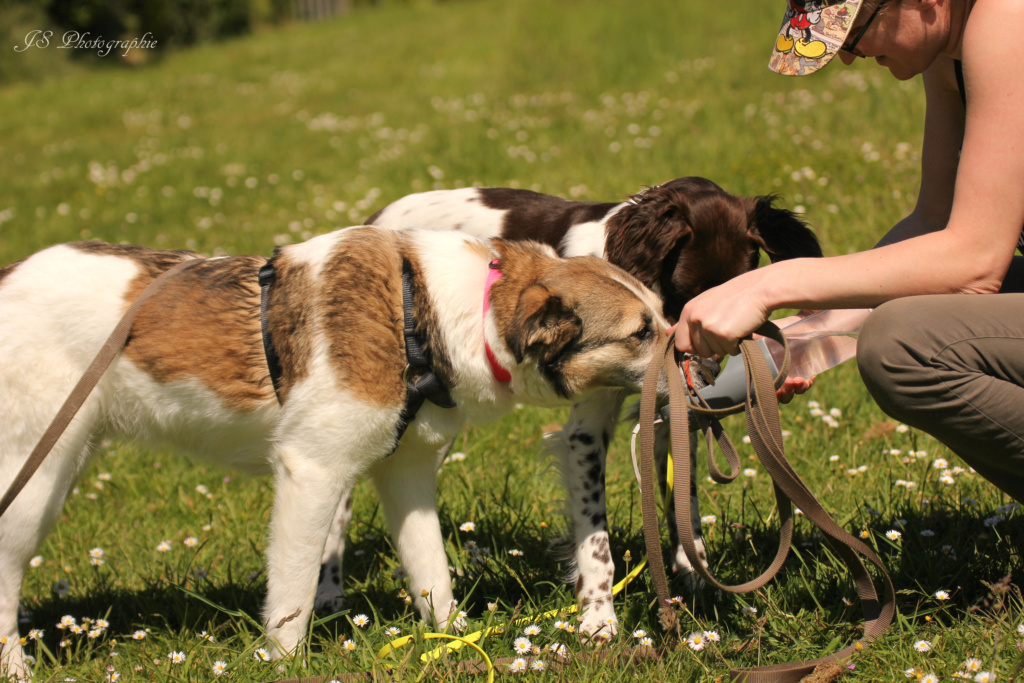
851 47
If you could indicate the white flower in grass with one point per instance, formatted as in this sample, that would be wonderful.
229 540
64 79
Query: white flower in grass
910 673
750 472
61 588
399 573
639 633
538 665
349 645
468 527
1020 629
176 657
923 646
164 546
517 666
191 542
993 520
984 677
750 611
559 649
392 631
696 641
712 636
67 621
929 678
893 535
522 645
833 458
940 463
515 552
532 630
96 557
361 620
36 561
927 533
942 595
261 655
973 664
836 413
647 642
35 634
220 668
813 405
708 519
947 479
902 429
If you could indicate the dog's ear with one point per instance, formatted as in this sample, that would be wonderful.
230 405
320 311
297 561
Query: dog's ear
542 326
780 233
646 235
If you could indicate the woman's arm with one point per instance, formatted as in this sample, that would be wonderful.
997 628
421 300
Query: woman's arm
984 215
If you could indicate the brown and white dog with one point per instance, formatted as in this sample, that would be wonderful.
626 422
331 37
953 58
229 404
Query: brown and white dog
194 375
679 239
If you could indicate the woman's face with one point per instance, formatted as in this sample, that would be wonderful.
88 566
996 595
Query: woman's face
905 37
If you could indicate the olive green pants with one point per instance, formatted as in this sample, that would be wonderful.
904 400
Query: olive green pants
953 366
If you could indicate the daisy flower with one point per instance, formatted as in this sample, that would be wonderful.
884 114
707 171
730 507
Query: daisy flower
893 535
940 464
36 561
712 636
942 595
467 526
61 588
261 655
833 458
902 429
522 645
67 621
923 646
176 657
984 677
708 519
538 665
392 631
139 635
96 557
532 630
639 633
220 668
559 649
750 472
349 645
399 573
927 533
517 666
910 673
164 546
515 552
35 634
361 620
973 664
647 642
191 542
696 641
750 611
929 678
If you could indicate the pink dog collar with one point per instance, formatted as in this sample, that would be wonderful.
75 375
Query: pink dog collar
500 373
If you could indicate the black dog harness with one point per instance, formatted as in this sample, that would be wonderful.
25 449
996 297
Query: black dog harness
422 384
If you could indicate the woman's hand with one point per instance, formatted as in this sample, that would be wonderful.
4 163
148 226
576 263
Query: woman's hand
793 386
712 324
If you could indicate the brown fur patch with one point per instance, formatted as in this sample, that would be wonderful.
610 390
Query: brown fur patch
203 324
290 313
360 306
7 270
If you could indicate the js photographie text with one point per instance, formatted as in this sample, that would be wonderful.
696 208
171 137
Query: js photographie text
75 40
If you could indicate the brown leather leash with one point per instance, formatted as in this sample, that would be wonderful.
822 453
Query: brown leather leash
764 427
106 355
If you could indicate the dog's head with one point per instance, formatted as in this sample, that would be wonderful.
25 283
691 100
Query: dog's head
689 235
572 325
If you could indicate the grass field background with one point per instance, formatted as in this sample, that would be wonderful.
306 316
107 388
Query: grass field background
241 146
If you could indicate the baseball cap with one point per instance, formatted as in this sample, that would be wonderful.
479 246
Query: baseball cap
812 32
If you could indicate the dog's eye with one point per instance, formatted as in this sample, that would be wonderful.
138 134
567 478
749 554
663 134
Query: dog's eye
644 333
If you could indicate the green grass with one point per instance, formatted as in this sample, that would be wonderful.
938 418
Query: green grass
238 147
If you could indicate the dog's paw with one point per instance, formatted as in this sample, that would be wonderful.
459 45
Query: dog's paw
329 602
598 624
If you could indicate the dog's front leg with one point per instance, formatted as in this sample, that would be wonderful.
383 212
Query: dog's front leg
407 486
306 497
585 439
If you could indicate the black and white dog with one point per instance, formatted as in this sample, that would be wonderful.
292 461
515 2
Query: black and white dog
679 239
503 322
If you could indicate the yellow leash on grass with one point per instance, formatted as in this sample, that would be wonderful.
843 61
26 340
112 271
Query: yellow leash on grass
472 638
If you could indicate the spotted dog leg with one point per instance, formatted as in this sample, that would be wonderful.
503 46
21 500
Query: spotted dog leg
330 598
583 449
680 563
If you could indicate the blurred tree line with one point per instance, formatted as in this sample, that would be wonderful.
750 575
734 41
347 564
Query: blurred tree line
172 24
